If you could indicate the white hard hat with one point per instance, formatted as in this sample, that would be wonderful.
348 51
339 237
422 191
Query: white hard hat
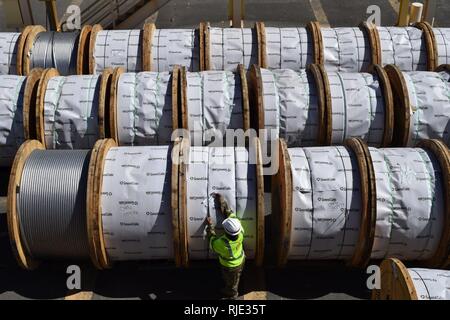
232 226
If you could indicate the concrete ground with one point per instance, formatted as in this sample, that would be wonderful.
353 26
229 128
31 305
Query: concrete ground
149 281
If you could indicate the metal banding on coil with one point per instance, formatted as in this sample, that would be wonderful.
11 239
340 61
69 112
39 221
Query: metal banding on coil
9 42
56 50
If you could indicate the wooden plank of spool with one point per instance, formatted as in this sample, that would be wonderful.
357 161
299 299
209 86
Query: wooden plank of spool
256 94
442 253
29 103
325 120
430 43
386 88
113 130
174 202
396 283
316 35
95 30
147 54
202 29
182 203
262 43
366 237
24 259
40 97
21 48
97 250
183 98
245 99
207 46
103 102
175 97
259 253
374 40
29 43
401 106
282 202
83 50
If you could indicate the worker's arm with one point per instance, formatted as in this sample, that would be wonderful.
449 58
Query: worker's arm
210 232
224 207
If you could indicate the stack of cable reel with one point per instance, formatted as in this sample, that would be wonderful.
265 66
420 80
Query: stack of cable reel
213 102
65 51
401 283
356 203
144 107
422 100
71 110
237 174
17 110
319 107
149 49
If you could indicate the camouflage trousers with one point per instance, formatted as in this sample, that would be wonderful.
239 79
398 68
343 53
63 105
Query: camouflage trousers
231 277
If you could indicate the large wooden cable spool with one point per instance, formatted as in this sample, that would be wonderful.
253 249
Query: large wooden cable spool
29 105
103 101
114 106
430 42
262 44
318 52
21 49
256 97
282 204
185 216
396 282
185 113
374 41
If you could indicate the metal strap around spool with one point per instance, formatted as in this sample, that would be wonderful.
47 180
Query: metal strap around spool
172 47
51 204
118 48
144 108
431 284
326 203
12 133
291 105
346 49
442 36
410 203
230 47
214 103
357 107
56 50
288 48
8 52
403 47
225 170
429 96
71 112
136 203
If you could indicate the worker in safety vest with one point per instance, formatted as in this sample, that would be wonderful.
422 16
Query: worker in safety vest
229 248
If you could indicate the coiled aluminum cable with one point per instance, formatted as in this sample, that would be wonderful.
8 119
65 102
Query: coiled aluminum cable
56 50
52 204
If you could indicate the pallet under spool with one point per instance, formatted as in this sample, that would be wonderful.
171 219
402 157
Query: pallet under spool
30 37
112 108
40 97
282 204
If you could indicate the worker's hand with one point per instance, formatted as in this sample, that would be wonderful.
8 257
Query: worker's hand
209 221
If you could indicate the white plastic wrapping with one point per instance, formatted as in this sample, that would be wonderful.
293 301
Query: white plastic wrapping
346 49
118 48
403 46
326 203
429 97
410 203
290 106
431 284
230 47
442 38
8 52
136 203
357 107
144 108
175 47
225 170
214 103
288 48
11 117
71 112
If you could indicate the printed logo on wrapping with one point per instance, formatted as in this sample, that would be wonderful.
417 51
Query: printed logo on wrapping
261 151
